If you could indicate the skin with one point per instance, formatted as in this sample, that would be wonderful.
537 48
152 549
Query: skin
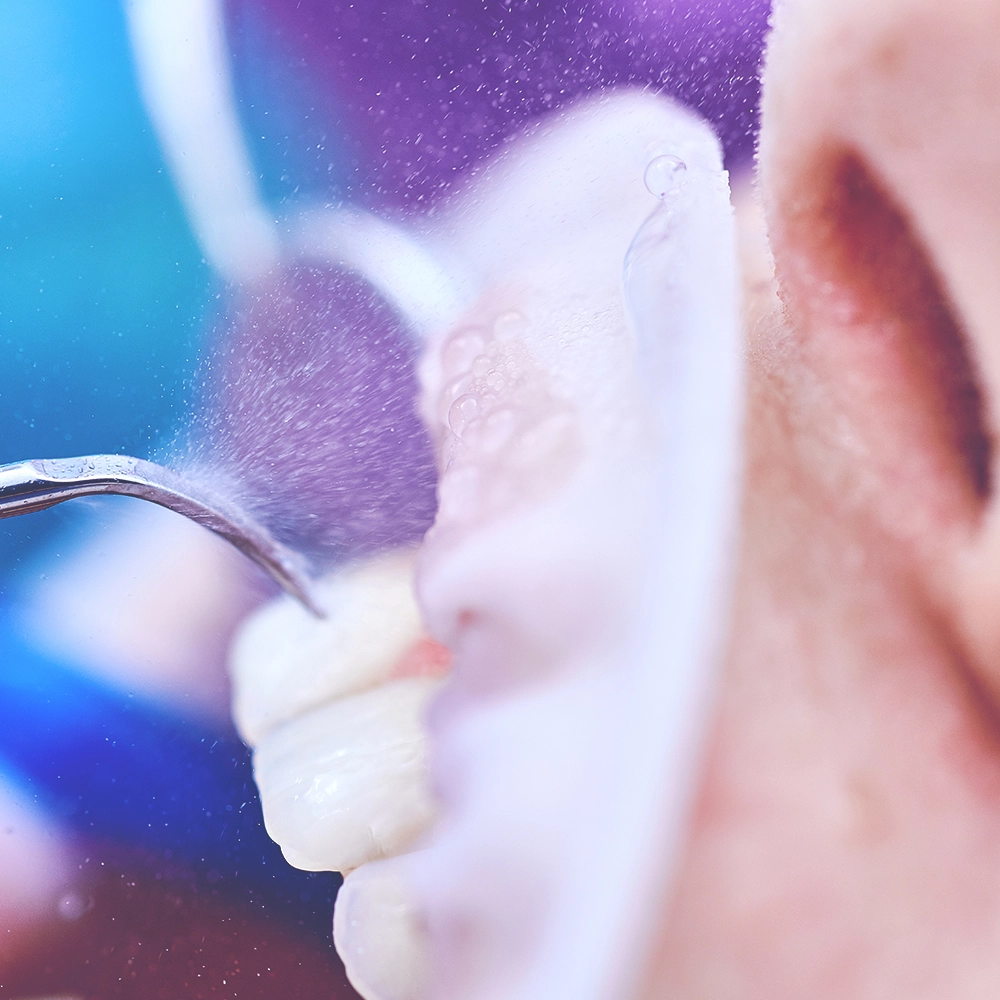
846 841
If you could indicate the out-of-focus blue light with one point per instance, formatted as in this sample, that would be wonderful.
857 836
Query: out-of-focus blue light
103 291
117 767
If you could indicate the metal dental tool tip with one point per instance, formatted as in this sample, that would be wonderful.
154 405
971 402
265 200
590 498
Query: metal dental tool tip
40 483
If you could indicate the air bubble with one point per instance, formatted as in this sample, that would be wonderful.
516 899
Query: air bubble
664 175
463 410
509 326
460 351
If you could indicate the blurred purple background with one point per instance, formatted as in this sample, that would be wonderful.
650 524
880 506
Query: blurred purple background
419 90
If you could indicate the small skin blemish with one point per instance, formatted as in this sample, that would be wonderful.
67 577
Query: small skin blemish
889 57
869 820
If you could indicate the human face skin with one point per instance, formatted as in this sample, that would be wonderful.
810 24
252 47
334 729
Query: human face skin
847 832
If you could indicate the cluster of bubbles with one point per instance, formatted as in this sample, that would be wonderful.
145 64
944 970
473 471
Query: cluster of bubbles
504 439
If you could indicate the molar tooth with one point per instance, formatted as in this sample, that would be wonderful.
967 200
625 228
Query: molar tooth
379 935
347 782
286 662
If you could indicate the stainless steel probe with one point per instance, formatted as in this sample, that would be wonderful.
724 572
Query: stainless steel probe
40 483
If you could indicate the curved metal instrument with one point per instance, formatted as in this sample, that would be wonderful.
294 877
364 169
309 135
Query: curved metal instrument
40 483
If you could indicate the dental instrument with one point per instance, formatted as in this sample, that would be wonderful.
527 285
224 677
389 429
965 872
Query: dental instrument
36 484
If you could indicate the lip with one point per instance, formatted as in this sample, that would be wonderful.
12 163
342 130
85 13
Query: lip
585 623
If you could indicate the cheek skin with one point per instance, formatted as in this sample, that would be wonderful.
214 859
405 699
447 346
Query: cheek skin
849 818
847 835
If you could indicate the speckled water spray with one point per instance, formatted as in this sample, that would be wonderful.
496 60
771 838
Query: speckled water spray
37 484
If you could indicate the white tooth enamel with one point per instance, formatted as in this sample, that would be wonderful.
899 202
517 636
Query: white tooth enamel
286 661
378 934
577 569
347 782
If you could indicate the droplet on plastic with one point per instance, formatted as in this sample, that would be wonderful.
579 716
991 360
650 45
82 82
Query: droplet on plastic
664 175
463 410
460 351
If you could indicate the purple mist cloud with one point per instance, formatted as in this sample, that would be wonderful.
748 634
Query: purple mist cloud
310 410
425 88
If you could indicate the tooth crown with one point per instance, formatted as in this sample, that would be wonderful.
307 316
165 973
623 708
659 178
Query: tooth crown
346 783
334 709
285 662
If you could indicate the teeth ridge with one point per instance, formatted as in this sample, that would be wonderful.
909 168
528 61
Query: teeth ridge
346 783
285 662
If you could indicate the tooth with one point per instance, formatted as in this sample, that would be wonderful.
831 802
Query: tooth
285 661
347 782
379 936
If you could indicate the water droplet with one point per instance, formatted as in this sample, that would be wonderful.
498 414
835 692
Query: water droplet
459 387
460 351
509 325
463 410
664 175
72 905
